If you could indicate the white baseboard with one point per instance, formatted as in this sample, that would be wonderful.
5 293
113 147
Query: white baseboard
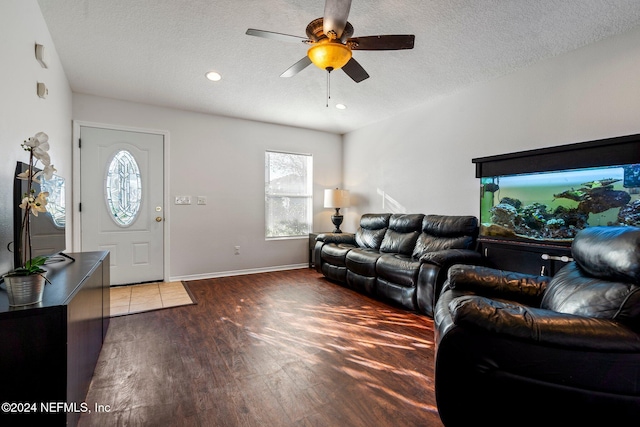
238 272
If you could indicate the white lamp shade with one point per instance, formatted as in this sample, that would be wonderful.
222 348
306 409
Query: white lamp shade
336 198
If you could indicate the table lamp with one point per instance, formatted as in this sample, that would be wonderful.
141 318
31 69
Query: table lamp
336 199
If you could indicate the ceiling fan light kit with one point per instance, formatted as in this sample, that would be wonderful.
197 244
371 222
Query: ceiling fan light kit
329 55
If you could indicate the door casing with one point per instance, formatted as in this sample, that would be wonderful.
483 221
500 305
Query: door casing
76 229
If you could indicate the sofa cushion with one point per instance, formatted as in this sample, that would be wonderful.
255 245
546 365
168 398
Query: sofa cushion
335 254
400 243
572 292
362 261
450 226
370 238
406 223
371 230
399 269
427 243
402 233
611 253
441 232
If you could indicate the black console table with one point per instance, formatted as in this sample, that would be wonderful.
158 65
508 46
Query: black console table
49 350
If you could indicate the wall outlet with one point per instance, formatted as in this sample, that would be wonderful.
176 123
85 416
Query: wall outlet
202 200
183 200
236 250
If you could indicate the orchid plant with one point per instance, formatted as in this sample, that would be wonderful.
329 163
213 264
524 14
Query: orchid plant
38 147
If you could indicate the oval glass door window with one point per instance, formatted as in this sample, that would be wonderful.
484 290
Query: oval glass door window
123 188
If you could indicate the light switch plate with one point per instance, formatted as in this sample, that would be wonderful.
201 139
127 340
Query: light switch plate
183 200
202 200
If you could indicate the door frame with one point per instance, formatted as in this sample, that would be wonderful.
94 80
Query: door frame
75 180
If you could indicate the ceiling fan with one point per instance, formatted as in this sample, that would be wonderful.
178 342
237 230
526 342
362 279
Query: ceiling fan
331 42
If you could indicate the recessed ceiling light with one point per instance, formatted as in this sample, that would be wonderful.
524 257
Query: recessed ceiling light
341 106
214 76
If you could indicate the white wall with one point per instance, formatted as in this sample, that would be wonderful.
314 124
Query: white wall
223 159
421 159
22 112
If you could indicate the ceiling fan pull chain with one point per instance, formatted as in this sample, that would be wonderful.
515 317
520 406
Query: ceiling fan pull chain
328 87
329 69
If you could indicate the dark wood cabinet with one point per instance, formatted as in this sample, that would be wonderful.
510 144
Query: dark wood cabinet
49 350
543 260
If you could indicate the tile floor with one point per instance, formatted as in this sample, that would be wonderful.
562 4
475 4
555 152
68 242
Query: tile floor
149 296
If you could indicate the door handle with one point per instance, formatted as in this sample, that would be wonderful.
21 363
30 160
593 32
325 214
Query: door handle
158 219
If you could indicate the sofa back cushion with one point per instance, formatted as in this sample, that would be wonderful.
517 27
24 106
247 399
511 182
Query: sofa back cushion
609 252
440 232
573 292
403 231
372 229
604 279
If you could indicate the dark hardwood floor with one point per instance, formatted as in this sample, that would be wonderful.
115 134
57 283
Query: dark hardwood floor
274 349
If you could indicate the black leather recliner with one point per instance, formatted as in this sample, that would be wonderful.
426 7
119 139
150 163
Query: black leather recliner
516 349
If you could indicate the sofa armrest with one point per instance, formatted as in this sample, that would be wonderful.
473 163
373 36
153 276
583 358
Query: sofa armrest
519 287
433 273
448 257
540 326
348 238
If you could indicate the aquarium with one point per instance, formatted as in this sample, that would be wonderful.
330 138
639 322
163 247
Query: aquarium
554 206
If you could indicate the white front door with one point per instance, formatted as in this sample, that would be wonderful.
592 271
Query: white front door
121 201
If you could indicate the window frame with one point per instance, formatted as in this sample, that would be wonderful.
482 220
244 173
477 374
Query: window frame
308 195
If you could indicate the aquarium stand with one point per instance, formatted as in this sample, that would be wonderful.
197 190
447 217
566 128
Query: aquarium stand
529 258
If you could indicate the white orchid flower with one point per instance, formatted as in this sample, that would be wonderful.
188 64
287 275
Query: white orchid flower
43 156
35 204
40 139
47 173
25 175
26 202
40 203
39 145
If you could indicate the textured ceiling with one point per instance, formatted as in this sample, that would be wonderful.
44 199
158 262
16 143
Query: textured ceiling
157 51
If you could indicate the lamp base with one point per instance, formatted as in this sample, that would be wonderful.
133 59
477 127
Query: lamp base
337 220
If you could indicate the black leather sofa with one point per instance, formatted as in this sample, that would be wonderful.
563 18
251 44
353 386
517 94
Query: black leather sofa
515 349
399 257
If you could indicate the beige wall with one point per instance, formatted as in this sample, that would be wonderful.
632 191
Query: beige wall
420 161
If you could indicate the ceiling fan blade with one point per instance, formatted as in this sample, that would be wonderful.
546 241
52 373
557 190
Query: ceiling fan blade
354 70
336 13
388 42
275 36
297 67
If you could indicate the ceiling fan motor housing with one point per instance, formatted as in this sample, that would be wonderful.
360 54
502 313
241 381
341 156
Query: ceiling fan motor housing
316 33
